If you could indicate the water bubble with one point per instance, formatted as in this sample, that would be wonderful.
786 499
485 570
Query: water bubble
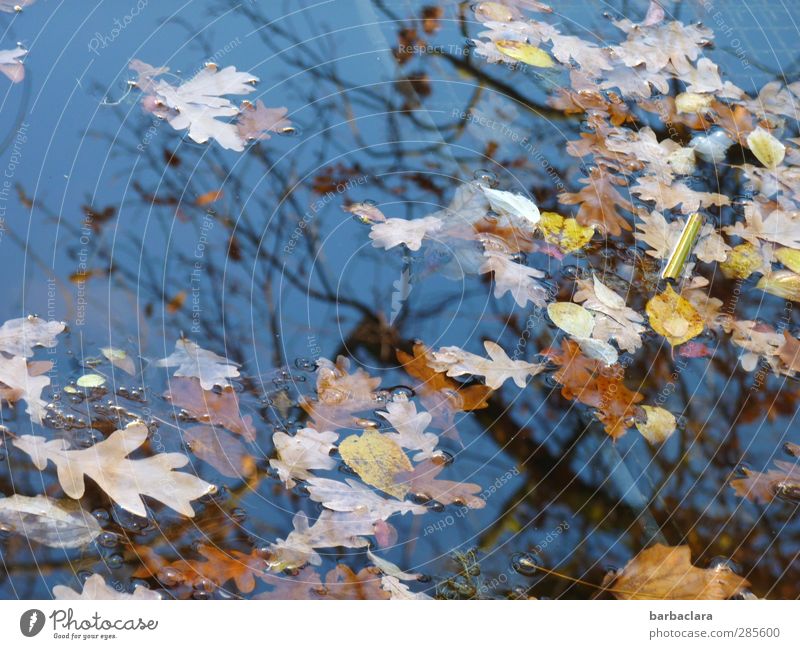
525 563
130 521
724 564
101 515
108 539
305 364
402 393
570 271
363 422
435 506
485 177
443 457
238 514
115 561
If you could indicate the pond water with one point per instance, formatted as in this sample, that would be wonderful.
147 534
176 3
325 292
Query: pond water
134 235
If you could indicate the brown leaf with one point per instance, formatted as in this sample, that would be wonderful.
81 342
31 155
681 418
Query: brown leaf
590 382
221 450
219 566
207 406
664 572
422 481
441 395
784 481
599 202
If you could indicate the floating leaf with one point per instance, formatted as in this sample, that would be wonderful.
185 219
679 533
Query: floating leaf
124 480
663 572
674 317
782 481
789 257
90 381
195 362
658 425
766 147
119 358
566 233
525 52
572 318
377 459
743 260
783 283
95 588
57 524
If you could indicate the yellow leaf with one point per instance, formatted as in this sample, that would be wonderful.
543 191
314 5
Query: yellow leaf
660 424
743 260
572 318
789 258
783 283
674 317
566 233
766 148
692 102
377 459
525 53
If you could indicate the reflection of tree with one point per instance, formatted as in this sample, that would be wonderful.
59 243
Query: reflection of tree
572 472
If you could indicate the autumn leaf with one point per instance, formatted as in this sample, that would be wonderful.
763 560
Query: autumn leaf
781 482
20 380
664 572
411 428
590 382
600 202
658 424
423 482
10 64
199 104
207 406
440 394
674 317
18 337
257 122
766 147
525 53
377 459
54 523
496 370
566 233
195 362
297 455
95 588
219 449
394 232
124 480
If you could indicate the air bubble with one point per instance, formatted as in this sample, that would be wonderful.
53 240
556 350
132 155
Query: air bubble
485 177
305 364
525 563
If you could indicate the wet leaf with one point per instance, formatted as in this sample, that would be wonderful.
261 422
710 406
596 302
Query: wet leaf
195 362
566 233
496 370
572 318
658 425
782 481
125 481
664 572
119 358
56 524
422 481
766 147
783 283
221 450
377 459
207 406
297 455
18 337
743 260
525 53
674 317
95 588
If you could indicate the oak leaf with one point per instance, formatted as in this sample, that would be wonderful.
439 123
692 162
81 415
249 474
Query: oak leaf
124 480
664 572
